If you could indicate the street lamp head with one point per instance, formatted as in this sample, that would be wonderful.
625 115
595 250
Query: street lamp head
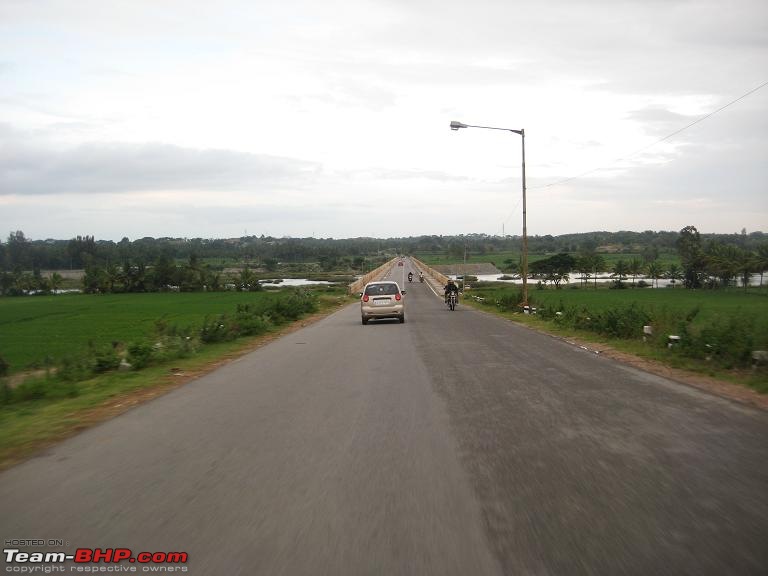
456 125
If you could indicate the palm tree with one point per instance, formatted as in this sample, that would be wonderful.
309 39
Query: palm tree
674 273
55 281
761 260
598 265
746 264
620 270
654 272
111 277
247 279
635 268
584 267
722 261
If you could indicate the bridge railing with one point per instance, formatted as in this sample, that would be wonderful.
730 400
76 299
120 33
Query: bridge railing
439 278
358 285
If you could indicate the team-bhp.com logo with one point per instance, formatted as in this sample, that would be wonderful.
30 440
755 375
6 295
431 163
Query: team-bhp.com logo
84 556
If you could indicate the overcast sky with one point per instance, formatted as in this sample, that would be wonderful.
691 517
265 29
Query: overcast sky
331 118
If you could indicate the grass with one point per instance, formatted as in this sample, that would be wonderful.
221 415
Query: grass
727 316
712 303
498 258
33 329
27 426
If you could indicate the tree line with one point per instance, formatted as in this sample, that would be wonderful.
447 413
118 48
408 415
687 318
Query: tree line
150 264
18 251
712 263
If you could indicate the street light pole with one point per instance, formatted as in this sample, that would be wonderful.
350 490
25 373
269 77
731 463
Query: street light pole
455 126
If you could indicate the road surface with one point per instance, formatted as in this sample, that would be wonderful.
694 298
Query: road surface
456 443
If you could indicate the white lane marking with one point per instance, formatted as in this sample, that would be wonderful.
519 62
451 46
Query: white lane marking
433 290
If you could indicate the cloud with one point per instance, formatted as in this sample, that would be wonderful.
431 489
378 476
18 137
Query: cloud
93 168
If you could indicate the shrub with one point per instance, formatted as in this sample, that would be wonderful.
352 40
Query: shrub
139 354
105 359
74 368
39 388
511 300
622 322
218 329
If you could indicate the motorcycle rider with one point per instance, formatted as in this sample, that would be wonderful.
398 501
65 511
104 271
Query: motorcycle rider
410 276
421 276
451 287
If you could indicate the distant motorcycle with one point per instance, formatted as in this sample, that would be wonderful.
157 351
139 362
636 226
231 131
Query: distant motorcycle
453 299
421 278
410 276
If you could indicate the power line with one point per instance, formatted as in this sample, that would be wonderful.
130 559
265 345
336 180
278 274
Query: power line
660 140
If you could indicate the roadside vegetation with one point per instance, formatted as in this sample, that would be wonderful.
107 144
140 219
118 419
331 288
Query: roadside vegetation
718 330
155 307
66 356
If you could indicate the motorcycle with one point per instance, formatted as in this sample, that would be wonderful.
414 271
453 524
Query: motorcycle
410 276
421 278
453 299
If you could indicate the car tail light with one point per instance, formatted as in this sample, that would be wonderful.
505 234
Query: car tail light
365 298
397 297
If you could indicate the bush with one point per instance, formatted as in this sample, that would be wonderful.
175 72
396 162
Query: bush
170 342
728 343
40 388
74 368
511 300
621 322
139 355
105 359
219 329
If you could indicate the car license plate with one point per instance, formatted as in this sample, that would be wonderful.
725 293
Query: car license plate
383 302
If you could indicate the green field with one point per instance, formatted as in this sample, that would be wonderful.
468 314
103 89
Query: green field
719 328
77 393
498 258
35 328
712 303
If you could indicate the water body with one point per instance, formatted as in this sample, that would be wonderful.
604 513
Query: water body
574 279
297 282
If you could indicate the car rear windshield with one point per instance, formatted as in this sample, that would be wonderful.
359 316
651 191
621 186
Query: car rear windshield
381 290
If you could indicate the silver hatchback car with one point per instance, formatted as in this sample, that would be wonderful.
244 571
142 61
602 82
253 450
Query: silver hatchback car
382 299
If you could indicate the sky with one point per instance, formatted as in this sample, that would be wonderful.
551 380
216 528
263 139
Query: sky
330 118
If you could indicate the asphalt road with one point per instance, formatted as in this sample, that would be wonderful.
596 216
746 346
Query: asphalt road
456 443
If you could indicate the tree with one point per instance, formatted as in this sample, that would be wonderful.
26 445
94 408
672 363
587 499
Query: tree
761 260
746 264
649 253
78 248
584 267
56 281
654 272
674 273
689 249
164 272
721 261
18 250
554 269
271 264
248 281
598 266
635 267
620 271
511 265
